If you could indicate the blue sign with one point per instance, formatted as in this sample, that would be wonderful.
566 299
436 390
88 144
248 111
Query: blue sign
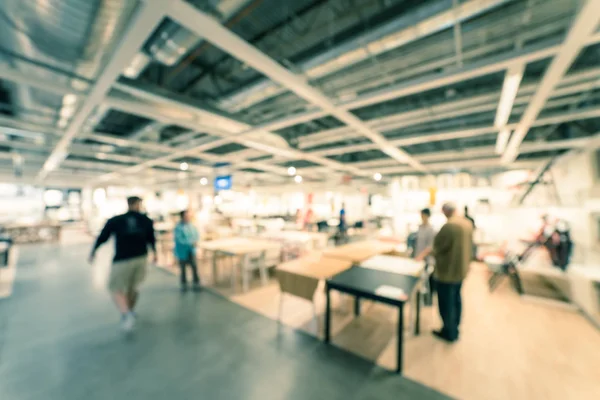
223 183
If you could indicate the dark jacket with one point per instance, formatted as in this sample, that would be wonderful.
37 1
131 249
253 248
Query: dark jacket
133 232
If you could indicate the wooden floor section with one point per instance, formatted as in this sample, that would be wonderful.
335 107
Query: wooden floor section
510 348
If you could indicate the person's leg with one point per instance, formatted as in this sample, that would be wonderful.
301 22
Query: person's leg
121 302
458 306
442 294
119 284
136 279
182 275
452 311
194 267
132 298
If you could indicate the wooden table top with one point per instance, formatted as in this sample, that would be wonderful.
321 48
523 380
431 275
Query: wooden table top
394 264
239 245
359 251
315 265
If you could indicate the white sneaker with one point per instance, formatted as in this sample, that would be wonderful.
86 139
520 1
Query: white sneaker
128 323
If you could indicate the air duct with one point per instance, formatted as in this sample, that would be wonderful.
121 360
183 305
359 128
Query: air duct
173 42
66 35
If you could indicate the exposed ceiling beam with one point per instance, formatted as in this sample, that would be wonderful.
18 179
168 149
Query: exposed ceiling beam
207 27
453 166
151 111
510 88
577 38
484 67
481 152
147 17
462 133
14 75
571 84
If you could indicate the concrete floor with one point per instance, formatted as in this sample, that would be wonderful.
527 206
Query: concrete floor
59 339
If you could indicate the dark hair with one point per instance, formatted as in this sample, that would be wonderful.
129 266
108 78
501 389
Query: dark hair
133 200
466 210
426 211
182 213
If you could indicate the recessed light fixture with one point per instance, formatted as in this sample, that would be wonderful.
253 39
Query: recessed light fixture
291 171
377 176
184 166
203 181
298 179
69 99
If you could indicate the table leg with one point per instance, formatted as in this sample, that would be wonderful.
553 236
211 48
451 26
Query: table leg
356 306
400 338
245 273
327 314
214 266
418 315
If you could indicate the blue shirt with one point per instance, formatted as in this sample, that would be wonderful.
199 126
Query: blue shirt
342 218
186 236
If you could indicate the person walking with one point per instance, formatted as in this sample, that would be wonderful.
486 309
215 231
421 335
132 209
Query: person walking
452 249
186 238
133 233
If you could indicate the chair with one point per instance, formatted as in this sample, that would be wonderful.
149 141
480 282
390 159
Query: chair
251 263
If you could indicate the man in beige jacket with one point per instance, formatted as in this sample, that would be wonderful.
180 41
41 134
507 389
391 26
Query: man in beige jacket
453 252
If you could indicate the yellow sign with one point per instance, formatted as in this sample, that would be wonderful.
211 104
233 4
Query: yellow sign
432 195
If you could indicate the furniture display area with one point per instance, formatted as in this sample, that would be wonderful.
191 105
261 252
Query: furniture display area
301 277
359 251
297 243
33 232
251 253
390 288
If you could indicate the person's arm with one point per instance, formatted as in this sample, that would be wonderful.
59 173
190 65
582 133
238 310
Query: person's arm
428 250
105 234
195 236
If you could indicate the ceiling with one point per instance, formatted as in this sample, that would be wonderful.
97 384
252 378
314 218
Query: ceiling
131 92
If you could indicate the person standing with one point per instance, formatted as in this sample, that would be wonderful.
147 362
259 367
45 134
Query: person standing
186 238
423 248
474 246
452 248
343 227
424 239
133 233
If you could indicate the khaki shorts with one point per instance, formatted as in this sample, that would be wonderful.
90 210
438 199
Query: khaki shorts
127 275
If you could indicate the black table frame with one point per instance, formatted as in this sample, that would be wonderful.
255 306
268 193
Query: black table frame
358 295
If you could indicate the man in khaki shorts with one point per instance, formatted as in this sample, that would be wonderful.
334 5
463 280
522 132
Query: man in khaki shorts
134 233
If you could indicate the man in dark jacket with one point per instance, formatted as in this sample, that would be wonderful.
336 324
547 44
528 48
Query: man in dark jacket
134 233
452 251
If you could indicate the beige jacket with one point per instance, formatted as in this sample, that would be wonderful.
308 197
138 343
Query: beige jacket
452 249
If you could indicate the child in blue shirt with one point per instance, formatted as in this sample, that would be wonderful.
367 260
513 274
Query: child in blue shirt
186 237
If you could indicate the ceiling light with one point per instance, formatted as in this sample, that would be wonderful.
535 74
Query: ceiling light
69 99
291 171
377 176
502 140
184 166
510 87
203 181
298 179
